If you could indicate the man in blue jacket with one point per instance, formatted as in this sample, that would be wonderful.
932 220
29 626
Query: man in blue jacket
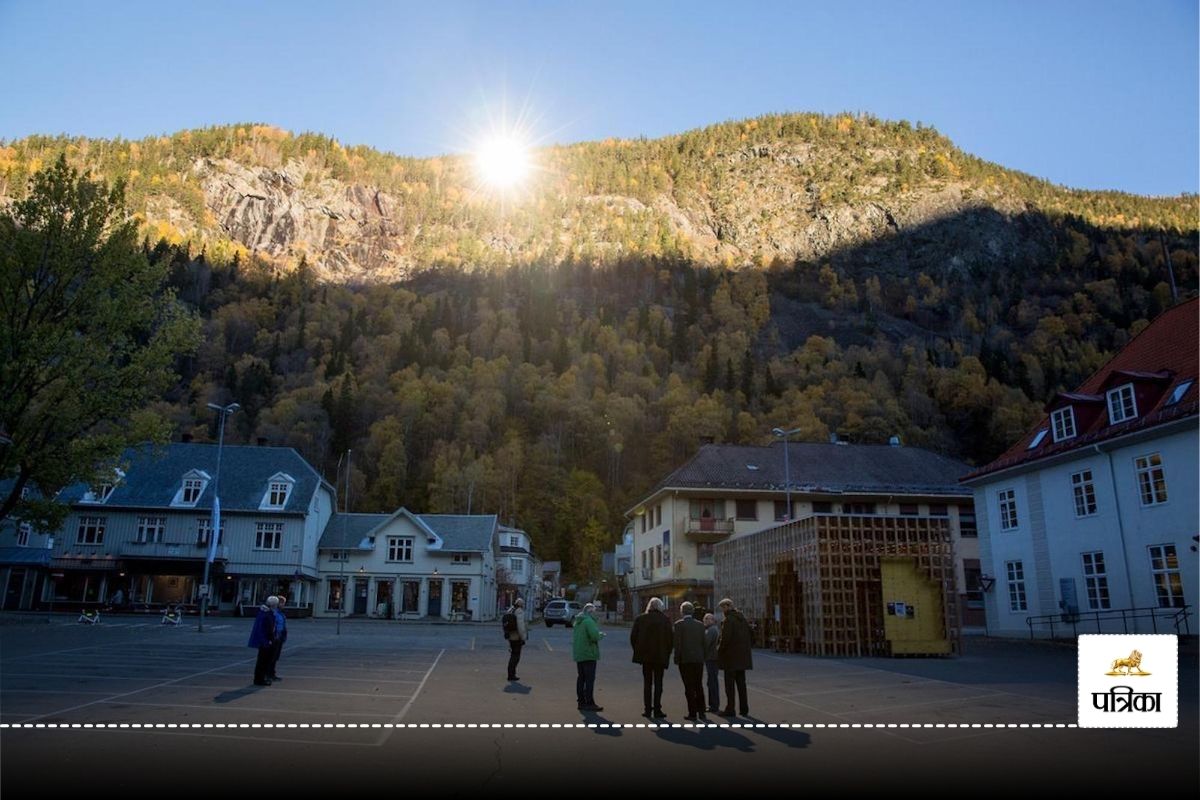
262 636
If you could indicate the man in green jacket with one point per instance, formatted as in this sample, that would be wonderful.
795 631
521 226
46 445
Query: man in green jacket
585 648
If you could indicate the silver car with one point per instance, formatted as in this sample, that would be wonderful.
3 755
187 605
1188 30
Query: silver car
562 612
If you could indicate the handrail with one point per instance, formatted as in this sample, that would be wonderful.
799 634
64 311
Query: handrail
1173 616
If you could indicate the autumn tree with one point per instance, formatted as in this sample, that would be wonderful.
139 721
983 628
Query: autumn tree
89 333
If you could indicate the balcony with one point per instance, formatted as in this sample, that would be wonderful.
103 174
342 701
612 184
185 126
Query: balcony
170 550
708 529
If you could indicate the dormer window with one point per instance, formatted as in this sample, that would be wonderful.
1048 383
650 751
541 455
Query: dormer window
194 484
514 541
99 492
1122 405
279 489
1037 439
1063 421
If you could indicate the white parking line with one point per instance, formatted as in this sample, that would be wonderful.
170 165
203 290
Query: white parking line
400 717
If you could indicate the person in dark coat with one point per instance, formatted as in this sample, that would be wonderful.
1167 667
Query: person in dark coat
651 639
280 637
262 636
712 634
734 656
689 655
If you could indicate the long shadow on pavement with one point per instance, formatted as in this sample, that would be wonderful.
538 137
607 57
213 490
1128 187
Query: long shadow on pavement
517 688
592 718
790 737
706 738
237 694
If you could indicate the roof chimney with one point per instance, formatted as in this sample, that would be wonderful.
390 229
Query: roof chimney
185 438
894 441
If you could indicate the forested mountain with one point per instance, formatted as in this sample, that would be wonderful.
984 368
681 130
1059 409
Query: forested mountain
550 357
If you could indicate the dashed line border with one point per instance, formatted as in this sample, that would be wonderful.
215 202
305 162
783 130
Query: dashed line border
458 725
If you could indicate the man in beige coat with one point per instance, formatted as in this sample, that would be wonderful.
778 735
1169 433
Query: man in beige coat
516 638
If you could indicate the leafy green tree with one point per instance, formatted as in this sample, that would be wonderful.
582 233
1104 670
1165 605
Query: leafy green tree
89 332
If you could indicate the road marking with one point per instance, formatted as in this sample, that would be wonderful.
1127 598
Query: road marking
472 643
548 647
411 700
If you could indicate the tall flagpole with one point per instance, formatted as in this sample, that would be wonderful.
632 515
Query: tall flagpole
214 533
345 552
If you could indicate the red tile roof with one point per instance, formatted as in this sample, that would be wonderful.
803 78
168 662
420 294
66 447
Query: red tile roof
1167 348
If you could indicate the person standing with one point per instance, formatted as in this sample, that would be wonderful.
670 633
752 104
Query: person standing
280 636
689 655
651 639
734 656
262 636
585 649
712 633
517 637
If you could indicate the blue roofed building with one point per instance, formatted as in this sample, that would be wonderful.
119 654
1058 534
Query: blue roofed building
24 556
142 538
409 566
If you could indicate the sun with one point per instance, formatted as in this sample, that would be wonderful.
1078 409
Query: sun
503 161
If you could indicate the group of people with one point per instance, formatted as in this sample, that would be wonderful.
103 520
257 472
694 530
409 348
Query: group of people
700 645
268 635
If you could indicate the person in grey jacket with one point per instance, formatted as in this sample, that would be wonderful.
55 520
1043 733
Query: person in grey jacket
712 635
689 655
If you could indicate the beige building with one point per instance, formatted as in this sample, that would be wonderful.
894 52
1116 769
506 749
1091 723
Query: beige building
729 491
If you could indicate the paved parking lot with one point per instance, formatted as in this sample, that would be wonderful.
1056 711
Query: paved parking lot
356 699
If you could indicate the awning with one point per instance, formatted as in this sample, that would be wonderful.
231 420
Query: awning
25 556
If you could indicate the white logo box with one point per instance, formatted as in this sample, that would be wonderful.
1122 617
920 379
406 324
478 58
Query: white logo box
1132 698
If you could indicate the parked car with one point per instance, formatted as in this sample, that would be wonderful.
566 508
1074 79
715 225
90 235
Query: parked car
562 612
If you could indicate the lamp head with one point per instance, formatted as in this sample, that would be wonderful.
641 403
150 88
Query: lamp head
777 431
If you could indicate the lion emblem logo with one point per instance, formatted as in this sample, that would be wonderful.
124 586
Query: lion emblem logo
1126 666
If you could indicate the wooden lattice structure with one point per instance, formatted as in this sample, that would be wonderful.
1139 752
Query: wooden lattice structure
815 586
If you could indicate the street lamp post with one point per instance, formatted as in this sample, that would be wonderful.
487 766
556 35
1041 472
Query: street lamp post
787 468
214 533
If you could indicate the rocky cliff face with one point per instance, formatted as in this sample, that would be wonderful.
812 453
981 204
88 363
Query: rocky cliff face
793 188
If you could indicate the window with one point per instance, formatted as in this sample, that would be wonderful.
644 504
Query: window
1164 565
643 523
460 558
334 555
909 509
644 552
707 509
517 566
939 510
1179 392
335 595
514 541
1063 421
1121 404
204 530
277 494
1037 439
822 507
967 528
780 510
23 531
268 535
192 488
1008 509
151 529
860 508
400 548
101 493
1016 586
746 509
658 514
91 530
704 552
1085 493
1152 482
1096 579
657 556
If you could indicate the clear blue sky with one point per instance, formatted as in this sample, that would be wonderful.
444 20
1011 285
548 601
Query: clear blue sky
1088 93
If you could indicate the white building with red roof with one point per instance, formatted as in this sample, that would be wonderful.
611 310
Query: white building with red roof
1088 523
